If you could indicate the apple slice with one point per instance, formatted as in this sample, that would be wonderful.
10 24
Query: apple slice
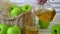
26 7
14 30
3 28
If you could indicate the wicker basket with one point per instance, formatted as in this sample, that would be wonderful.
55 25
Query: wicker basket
4 14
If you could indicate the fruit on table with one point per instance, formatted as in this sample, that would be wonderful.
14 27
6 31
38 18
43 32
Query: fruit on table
14 30
14 5
26 7
43 24
55 29
3 28
15 12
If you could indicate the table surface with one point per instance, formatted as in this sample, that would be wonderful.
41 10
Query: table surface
45 31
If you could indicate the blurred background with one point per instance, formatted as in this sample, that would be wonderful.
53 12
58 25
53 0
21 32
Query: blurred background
54 3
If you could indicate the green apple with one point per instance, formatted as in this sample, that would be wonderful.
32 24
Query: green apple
3 28
13 6
43 24
55 29
14 30
15 12
26 7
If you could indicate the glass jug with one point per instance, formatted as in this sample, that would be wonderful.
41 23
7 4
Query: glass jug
45 13
29 24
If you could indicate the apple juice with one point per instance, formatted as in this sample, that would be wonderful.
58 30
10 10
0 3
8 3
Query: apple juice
31 30
29 24
46 15
28 18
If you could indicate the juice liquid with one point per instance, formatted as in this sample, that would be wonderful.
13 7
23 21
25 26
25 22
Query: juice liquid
46 15
28 19
31 30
